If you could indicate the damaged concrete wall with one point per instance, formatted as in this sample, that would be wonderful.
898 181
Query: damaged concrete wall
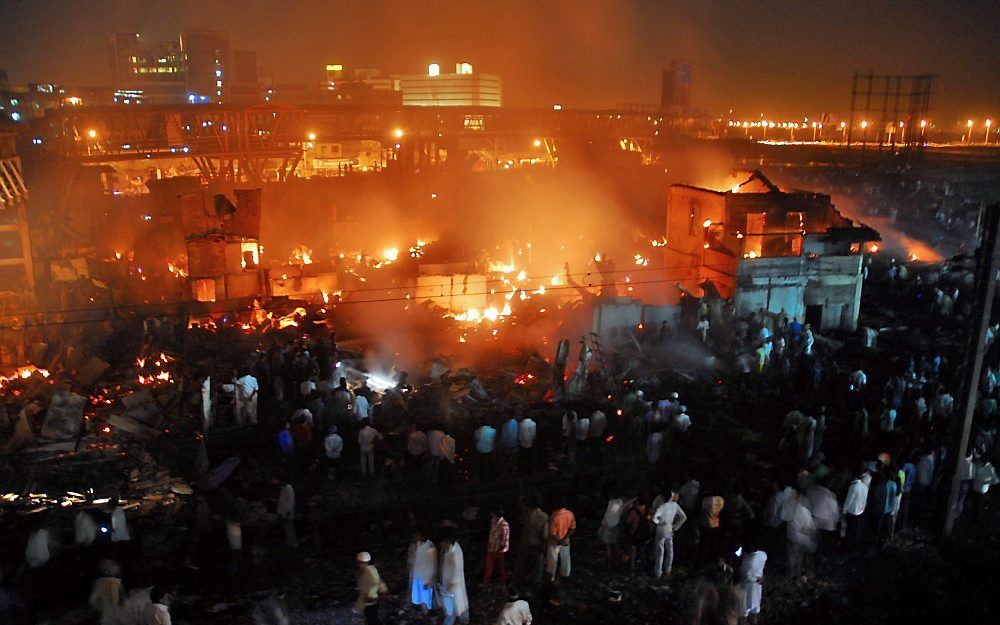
799 285
615 320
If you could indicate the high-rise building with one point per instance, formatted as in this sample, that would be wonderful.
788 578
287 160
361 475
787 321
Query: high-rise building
463 88
676 89
153 74
198 68
207 55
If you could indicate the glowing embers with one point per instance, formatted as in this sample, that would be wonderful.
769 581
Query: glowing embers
153 370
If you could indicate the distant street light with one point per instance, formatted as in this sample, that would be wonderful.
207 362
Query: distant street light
986 139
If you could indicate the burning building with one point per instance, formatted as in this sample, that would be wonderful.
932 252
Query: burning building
768 248
223 245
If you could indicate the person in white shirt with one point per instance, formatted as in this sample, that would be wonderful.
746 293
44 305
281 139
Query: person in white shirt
423 566
286 512
361 407
527 430
333 447
858 381
598 423
801 534
751 574
854 507
654 446
448 448
516 612
119 526
37 552
416 447
485 437
668 518
823 506
702 329
307 387
943 405
456 598
579 451
925 477
581 429
966 472
608 531
984 477
84 529
246 399
682 421
366 440
157 612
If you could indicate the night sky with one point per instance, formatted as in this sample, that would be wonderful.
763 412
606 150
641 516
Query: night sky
780 58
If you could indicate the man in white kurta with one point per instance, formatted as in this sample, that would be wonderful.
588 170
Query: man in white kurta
423 563
84 529
517 612
119 526
456 598
668 518
751 574
246 399
286 512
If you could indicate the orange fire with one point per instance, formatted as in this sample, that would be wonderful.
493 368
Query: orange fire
23 373
301 255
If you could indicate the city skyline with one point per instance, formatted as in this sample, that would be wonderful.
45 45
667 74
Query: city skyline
579 54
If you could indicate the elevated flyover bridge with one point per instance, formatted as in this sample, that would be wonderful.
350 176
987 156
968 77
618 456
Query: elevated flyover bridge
244 142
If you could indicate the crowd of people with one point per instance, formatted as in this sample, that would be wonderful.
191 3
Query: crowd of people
848 452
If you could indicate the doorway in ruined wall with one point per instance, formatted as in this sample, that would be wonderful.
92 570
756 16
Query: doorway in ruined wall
814 315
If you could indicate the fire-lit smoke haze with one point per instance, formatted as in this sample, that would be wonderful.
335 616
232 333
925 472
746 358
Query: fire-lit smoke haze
521 229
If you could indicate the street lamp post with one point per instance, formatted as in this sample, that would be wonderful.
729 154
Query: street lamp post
969 134
986 138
